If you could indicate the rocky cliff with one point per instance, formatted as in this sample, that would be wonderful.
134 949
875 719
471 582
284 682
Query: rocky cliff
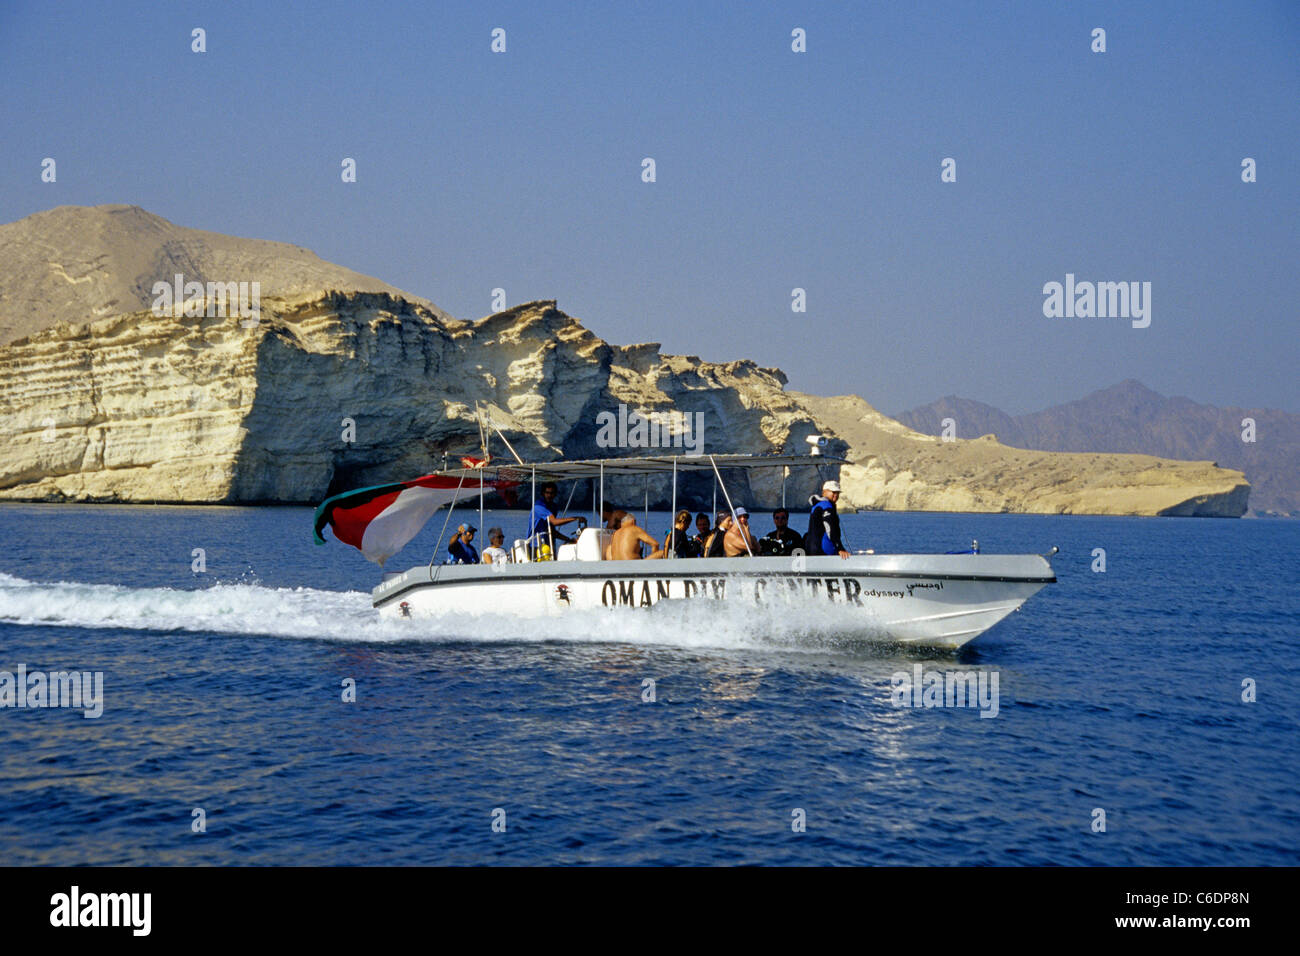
331 390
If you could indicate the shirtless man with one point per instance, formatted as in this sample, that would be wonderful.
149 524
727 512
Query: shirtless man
613 521
734 544
628 539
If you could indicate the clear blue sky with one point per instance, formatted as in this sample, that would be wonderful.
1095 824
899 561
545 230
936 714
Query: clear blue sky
775 170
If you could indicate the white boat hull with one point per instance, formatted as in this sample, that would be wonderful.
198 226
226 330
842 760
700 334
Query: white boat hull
928 599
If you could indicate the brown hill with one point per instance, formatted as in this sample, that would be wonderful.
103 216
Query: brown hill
75 264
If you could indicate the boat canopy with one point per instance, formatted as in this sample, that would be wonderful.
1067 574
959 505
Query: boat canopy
650 465
380 520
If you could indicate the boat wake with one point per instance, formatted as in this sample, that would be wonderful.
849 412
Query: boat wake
310 614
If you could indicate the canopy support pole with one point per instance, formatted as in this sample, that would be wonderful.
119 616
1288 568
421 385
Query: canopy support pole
555 554
730 507
671 551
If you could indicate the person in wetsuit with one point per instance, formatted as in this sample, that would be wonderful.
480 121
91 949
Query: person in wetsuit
716 547
823 535
702 529
781 541
679 544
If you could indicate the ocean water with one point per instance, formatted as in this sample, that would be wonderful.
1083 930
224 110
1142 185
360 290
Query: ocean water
1119 691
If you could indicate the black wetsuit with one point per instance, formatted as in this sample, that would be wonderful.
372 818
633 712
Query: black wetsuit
684 546
780 542
717 549
823 535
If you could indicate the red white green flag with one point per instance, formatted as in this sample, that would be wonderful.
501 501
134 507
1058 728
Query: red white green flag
379 521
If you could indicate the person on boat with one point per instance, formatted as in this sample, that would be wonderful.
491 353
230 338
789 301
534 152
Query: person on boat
496 553
703 527
678 543
781 541
627 541
823 535
461 547
739 542
613 521
715 547
544 522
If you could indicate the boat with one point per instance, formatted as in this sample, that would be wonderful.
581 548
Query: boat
940 600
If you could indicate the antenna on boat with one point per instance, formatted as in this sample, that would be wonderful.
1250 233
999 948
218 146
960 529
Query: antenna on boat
482 434
492 425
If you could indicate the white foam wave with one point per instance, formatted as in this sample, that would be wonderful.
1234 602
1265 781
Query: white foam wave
310 614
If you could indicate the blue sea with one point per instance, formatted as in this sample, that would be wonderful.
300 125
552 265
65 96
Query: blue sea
225 737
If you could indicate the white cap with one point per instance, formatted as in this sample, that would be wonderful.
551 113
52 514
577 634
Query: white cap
830 486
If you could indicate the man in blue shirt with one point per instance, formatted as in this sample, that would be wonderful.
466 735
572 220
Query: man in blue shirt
461 546
543 522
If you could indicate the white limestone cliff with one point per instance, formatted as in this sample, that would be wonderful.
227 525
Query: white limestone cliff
140 407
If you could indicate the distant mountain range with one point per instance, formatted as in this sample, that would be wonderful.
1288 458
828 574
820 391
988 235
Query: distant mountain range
1129 417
